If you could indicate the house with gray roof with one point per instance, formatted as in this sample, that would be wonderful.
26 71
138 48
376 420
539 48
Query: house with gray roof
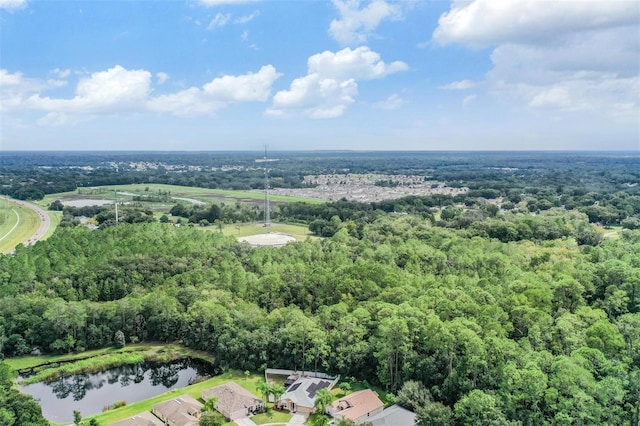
141 419
181 411
393 416
301 395
232 400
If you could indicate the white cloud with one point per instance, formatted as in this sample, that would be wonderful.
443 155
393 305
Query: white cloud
101 92
250 87
330 85
567 55
220 20
246 18
118 90
459 85
355 25
245 35
487 22
212 3
361 64
392 102
162 77
12 4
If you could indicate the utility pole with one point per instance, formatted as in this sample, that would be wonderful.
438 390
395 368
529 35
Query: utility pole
115 191
267 213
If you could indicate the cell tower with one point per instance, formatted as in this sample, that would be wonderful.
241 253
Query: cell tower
267 213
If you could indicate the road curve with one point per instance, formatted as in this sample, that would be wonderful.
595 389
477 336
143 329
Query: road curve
45 221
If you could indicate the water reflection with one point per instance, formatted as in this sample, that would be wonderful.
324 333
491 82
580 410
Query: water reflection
90 393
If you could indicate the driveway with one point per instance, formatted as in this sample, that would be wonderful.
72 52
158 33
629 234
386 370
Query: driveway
244 421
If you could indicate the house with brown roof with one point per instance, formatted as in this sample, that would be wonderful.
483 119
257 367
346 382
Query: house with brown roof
181 411
357 407
142 419
233 401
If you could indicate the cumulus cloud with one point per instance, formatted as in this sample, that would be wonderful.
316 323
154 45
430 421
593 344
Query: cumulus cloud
100 92
12 4
568 55
118 90
330 85
220 20
61 73
392 102
356 24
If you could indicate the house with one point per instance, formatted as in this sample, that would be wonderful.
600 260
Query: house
181 411
142 419
357 407
301 395
394 416
233 401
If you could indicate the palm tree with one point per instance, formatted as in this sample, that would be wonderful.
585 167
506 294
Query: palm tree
265 390
323 398
210 404
277 391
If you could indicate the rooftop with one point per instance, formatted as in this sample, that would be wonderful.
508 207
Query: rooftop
357 404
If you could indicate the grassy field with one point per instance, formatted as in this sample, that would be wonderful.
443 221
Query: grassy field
200 194
20 224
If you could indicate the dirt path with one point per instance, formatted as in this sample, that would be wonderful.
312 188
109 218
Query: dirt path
45 221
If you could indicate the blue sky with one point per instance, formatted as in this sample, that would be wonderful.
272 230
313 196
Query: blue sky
334 74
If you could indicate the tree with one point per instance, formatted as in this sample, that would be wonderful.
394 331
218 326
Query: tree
277 391
119 339
212 418
413 395
77 417
323 399
434 414
210 404
345 387
264 388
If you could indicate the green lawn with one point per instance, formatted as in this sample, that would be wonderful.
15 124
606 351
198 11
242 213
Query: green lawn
20 224
299 232
273 417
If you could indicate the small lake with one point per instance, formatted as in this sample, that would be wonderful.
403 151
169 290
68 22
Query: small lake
90 393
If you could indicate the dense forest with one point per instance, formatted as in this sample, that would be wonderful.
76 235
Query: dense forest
516 332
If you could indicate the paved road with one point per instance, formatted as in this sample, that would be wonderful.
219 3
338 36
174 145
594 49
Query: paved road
45 221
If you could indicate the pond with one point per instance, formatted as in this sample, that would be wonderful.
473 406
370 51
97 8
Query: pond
90 393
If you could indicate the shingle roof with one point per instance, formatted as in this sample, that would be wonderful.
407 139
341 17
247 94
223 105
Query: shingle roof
394 416
303 391
231 397
182 411
141 419
357 404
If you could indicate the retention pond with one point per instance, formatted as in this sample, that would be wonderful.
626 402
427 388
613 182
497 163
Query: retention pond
91 393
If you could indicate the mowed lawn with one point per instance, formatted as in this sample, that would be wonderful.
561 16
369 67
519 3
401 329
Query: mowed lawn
299 232
20 224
